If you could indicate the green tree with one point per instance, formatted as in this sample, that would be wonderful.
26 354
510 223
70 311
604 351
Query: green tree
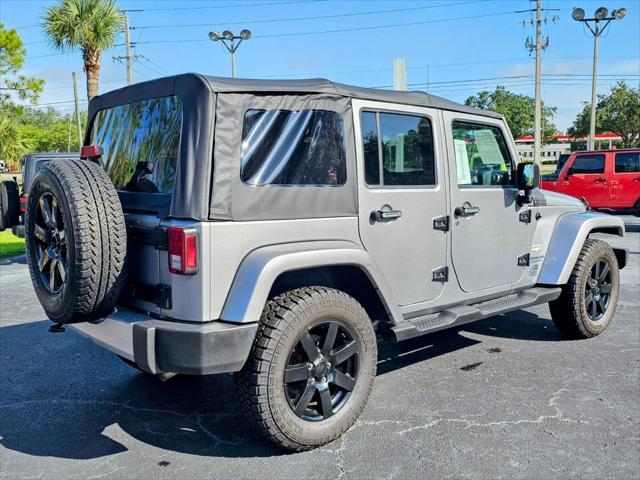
88 25
12 145
517 109
13 86
13 83
49 130
618 112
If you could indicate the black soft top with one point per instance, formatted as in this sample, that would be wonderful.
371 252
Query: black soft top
206 193
305 86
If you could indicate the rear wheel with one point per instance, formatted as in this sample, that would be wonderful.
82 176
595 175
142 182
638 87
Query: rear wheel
76 241
588 301
311 369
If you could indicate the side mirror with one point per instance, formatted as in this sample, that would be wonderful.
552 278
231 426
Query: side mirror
528 178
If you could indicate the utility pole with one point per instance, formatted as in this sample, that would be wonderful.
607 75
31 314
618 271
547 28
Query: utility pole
128 58
77 102
539 46
127 46
537 119
600 15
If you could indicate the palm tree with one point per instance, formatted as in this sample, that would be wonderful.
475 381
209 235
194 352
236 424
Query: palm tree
90 25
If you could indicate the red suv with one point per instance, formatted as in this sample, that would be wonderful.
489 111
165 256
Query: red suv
607 179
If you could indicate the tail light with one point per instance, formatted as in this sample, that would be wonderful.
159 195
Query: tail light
23 205
183 251
90 152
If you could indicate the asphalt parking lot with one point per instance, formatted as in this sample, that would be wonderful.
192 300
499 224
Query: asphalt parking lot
503 398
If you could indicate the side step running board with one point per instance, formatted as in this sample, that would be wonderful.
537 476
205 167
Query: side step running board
462 314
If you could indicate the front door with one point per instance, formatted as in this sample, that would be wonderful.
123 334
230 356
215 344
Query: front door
488 237
586 177
401 192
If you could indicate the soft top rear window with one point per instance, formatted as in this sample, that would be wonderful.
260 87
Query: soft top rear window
140 142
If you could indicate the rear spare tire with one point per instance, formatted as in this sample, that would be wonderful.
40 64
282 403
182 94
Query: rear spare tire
9 204
76 241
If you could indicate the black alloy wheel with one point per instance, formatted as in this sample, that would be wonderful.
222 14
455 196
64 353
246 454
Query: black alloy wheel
51 243
598 290
321 371
587 302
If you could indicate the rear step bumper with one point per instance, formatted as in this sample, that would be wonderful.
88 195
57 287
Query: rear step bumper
161 347
460 315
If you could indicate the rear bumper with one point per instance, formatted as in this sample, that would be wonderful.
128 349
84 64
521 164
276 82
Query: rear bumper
160 346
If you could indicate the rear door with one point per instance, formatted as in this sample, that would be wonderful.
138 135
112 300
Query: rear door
402 196
140 142
587 176
489 240
625 179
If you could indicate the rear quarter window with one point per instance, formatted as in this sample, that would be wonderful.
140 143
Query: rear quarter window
141 141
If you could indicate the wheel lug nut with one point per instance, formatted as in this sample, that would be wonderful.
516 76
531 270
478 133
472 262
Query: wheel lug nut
324 380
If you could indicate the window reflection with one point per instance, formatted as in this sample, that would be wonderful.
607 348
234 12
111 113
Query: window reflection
293 147
140 142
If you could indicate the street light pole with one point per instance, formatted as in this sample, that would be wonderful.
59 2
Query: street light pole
600 15
228 39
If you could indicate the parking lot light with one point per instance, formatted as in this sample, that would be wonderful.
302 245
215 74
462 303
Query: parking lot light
228 39
596 25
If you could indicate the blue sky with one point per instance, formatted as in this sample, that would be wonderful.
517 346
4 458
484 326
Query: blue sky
466 45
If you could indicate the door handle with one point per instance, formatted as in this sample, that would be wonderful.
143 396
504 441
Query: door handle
600 180
637 179
466 210
385 215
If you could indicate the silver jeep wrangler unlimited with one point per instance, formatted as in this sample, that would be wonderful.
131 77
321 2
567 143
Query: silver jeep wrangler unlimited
270 228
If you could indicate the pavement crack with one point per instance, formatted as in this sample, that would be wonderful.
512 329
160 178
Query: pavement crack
559 416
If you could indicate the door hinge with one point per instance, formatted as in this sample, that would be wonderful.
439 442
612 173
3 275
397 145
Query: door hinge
523 260
440 274
159 294
525 217
154 236
441 223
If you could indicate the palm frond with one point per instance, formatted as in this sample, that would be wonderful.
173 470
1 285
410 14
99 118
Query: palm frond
86 24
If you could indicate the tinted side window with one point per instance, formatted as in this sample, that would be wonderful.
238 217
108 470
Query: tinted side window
140 142
628 162
407 154
586 164
293 147
482 156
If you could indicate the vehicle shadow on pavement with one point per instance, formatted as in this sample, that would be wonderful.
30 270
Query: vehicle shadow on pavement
65 397
518 325
20 260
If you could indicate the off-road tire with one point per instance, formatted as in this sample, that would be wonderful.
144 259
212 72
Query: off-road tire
260 386
569 312
96 240
9 204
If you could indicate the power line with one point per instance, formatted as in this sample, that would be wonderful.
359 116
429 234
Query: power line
318 17
341 30
226 6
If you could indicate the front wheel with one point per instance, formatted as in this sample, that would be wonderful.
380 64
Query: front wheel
588 301
311 368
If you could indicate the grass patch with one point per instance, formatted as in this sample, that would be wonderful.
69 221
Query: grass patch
10 245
